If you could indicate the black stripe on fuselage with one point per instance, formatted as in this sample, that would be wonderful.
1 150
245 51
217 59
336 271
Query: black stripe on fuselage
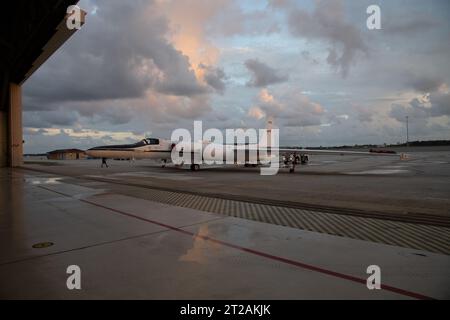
130 150
120 147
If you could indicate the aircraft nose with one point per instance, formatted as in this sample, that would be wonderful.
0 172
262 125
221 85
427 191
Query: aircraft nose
90 152
94 149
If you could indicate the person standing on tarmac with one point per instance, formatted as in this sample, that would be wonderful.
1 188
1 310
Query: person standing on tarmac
104 163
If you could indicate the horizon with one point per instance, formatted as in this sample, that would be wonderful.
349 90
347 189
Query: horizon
380 145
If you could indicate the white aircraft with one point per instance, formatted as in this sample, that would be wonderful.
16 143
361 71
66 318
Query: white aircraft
150 148
161 149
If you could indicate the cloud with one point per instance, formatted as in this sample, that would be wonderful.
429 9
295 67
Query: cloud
256 113
156 65
106 72
410 26
117 115
435 104
290 110
44 119
424 84
214 77
365 115
114 112
39 140
279 3
262 74
307 56
188 21
440 104
232 20
170 110
120 53
327 23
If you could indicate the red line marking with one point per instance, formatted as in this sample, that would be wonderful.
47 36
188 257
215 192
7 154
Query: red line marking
255 252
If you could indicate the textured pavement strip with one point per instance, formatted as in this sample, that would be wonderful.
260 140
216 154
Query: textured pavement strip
404 234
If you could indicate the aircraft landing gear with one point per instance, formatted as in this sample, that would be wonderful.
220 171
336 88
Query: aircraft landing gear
163 163
195 167
292 168
304 159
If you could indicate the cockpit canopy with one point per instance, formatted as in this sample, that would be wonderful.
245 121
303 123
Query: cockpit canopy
151 141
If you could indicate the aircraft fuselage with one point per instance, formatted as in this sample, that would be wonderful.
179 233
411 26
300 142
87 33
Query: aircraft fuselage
145 149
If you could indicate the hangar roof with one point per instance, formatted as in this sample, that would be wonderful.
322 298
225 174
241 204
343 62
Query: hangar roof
30 32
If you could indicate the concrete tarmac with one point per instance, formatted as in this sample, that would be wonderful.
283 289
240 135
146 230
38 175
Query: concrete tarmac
418 185
135 234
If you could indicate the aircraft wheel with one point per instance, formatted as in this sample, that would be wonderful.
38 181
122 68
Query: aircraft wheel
304 160
195 167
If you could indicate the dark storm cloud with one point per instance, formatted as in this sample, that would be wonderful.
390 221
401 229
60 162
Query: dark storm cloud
36 104
45 119
425 84
120 53
115 115
327 23
436 104
262 74
400 112
72 113
215 78
440 103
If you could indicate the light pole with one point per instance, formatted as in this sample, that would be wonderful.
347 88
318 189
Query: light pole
407 131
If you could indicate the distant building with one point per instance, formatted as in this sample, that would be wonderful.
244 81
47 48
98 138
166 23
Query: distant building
66 154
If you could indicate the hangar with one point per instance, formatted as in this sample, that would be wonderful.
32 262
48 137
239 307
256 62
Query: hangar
29 34
66 154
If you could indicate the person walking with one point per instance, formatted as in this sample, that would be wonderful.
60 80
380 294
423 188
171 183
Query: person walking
104 163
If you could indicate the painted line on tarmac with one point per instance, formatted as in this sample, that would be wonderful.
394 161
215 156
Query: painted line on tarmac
299 264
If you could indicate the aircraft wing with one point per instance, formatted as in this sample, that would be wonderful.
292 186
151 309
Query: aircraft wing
326 152
338 152
302 151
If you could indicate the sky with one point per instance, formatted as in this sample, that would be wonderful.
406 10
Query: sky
143 68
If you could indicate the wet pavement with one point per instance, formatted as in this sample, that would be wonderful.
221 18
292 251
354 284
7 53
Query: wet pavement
418 185
131 247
